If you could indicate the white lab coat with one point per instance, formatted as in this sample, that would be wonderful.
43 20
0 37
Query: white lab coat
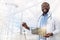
52 26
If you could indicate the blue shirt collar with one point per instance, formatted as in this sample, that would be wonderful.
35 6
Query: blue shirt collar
48 14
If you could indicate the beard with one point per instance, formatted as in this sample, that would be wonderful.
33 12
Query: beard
45 11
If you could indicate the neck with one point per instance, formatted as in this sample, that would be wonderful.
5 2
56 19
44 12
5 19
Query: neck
44 14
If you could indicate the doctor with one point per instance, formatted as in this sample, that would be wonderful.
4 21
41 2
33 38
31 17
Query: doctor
46 20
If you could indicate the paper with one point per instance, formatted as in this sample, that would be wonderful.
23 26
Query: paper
39 31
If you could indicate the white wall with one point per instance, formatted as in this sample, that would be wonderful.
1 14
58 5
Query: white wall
14 12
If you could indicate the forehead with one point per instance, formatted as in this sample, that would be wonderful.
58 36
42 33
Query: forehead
45 4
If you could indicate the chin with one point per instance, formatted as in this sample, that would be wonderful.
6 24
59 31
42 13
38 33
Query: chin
44 12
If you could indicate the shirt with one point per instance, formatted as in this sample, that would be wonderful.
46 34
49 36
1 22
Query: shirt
43 22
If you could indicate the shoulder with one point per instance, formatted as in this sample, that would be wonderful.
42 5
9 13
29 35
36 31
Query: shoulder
56 20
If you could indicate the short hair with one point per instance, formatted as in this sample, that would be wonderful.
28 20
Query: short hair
45 3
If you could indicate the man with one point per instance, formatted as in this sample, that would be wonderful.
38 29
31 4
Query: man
46 20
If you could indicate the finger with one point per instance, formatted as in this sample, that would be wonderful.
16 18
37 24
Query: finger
46 36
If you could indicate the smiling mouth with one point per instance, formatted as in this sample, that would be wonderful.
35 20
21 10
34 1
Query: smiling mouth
45 10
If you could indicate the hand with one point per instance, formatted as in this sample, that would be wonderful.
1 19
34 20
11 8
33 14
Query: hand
25 25
51 34
48 35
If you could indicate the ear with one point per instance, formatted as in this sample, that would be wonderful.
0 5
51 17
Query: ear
49 7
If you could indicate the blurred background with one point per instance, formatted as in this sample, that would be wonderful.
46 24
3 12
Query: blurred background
14 12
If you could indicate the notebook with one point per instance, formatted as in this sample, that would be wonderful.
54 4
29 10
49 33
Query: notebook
39 31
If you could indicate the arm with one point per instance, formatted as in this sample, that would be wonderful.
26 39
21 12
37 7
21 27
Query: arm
55 26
